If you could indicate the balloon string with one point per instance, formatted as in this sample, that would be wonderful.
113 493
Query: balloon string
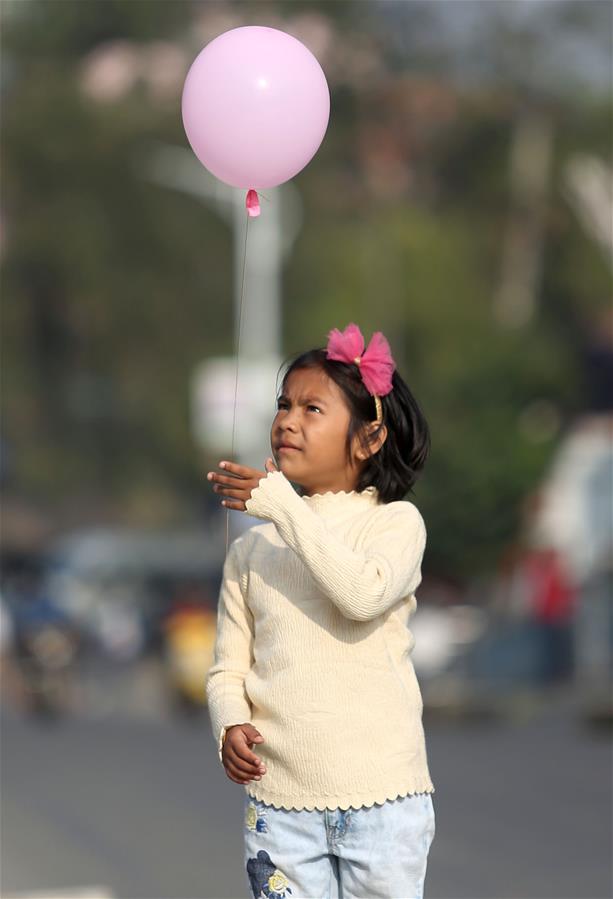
238 350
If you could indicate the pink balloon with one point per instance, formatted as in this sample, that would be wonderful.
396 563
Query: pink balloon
255 106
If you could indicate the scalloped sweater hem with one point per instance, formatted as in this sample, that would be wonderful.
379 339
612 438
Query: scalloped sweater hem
353 800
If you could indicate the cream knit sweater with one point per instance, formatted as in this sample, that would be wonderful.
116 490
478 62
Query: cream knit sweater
313 648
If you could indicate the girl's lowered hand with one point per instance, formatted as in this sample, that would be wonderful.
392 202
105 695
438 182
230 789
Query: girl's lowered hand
238 482
240 763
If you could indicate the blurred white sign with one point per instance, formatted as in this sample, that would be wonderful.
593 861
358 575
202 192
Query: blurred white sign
213 404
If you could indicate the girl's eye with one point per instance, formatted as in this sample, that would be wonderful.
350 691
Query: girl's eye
281 404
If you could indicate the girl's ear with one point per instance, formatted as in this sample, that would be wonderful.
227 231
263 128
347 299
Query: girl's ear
382 437
375 443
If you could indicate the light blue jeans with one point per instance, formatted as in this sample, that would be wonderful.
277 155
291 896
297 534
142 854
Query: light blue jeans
376 852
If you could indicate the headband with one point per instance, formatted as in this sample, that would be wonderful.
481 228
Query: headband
375 364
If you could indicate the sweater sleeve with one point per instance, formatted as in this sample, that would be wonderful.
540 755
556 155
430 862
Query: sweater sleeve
362 584
233 655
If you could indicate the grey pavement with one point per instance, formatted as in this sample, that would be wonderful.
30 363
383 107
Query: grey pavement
126 807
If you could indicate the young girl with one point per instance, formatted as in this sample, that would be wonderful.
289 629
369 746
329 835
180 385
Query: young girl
312 656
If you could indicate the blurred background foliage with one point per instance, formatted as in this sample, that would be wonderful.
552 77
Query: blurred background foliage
115 288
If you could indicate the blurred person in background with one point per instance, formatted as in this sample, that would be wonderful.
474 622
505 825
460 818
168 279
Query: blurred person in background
550 599
574 515
530 640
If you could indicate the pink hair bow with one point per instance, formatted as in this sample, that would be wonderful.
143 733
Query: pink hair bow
376 364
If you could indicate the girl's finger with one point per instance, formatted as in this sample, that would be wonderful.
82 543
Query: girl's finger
240 772
227 481
229 504
246 760
233 494
236 780
241 470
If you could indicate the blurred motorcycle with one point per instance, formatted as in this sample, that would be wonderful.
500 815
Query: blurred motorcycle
47 656
45 647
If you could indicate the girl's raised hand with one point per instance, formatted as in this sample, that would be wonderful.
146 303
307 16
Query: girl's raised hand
238 482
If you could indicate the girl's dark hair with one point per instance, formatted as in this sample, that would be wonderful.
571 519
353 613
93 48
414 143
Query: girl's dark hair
396 466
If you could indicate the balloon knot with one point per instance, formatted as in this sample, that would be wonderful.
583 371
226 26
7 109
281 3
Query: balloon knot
252 202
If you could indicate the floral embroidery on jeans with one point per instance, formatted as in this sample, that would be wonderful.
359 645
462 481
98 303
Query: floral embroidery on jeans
255 818
266 879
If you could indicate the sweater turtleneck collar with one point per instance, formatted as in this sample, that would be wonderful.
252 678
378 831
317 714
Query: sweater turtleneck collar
332 500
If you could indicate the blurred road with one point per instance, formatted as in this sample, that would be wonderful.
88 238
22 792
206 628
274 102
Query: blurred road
130 808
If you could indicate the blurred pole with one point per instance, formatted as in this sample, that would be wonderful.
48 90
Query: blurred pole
261 319
588 187
529 167
269 240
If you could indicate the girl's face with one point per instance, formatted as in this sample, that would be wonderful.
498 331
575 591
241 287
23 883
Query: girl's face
309 432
